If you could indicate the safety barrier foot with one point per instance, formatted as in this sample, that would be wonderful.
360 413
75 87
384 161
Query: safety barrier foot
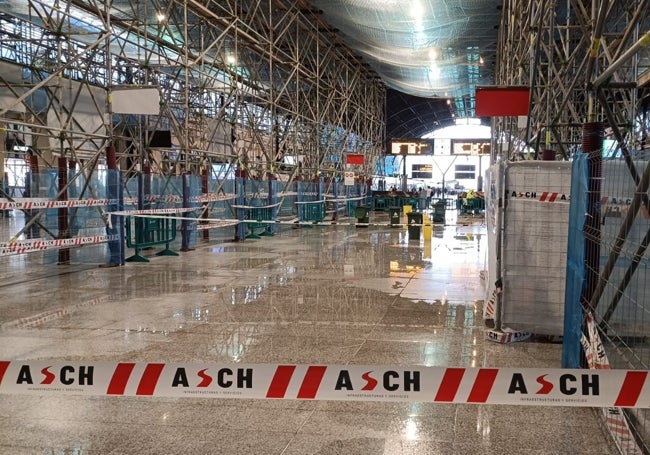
167 252
136 258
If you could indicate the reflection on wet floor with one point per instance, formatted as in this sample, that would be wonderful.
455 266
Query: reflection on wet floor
326 295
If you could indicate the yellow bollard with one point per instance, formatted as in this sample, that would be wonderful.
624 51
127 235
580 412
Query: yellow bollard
427 249
427 229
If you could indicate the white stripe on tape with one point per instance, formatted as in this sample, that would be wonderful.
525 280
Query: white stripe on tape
511 386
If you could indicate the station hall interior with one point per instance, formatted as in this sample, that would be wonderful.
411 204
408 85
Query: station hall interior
412 186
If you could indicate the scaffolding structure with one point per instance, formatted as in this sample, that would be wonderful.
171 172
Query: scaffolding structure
587 67
239 83
582 63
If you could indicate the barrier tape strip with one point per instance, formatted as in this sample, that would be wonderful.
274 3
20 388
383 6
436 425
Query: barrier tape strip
320 201
220 222
509 386
277 204
35 245
542 196
43 203
213 197
332 198
156 211
29 246
614 418
37 203
506 336
163 213
489 310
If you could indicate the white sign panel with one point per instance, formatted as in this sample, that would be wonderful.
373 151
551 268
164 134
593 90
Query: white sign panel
136 101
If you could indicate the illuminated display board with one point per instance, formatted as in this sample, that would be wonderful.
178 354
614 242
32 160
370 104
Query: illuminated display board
422 171
465 147
411 147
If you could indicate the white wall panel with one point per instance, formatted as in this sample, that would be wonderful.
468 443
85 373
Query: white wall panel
534 245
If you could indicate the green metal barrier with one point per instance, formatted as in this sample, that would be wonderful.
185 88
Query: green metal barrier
313 212
412 201
380 203
149 232
470 206
258 214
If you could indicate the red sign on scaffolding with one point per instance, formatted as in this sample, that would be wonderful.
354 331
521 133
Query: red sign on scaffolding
502 101
354 159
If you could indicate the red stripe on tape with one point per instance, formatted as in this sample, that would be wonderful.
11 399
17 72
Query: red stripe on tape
542 198
280 381
450 384
149 379
631 388
120 378
311 383
553 197
3 368
482 385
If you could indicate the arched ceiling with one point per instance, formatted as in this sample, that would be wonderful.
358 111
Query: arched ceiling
426 51
409 116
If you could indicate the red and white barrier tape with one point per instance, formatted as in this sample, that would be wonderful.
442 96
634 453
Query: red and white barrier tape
172 198
593 346
203 227
41 203
332 198
28 246
213 197
220 222
156 211
36 203
511 386
490 307
614 417
256 206
541 196
507 336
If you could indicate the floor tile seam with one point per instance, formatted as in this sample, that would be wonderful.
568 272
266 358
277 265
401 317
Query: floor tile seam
295 434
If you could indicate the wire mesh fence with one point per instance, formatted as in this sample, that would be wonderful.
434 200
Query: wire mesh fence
608 297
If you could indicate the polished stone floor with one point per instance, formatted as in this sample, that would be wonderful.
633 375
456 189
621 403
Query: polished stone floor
326 295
